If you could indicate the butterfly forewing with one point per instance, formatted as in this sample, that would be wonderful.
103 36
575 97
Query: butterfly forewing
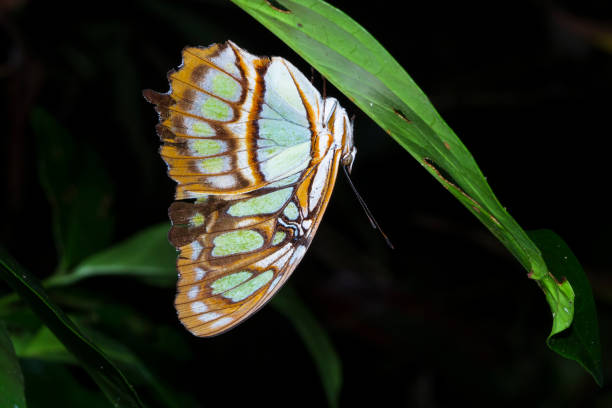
255 156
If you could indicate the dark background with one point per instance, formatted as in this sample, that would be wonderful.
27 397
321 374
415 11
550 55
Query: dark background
448 317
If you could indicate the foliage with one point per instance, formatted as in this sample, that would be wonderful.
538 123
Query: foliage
365 322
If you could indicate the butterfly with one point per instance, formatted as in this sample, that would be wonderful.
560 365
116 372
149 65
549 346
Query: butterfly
254 149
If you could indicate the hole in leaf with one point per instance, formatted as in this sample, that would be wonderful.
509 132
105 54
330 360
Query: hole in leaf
442 174
401 115
277 6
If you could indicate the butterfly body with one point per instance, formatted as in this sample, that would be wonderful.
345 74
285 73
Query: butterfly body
255 151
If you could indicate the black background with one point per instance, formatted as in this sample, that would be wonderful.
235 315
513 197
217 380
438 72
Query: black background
448 317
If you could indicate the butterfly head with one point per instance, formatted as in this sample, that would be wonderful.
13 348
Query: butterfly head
349 158
349 151
340 128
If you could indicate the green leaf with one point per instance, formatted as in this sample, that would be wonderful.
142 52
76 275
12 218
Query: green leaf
130 363
78 188
43 345
355 62
580 342
54 385
110 380
147 254
316 340
11 379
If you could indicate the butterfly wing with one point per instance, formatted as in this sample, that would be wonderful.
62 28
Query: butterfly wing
261 166
246 249
231 123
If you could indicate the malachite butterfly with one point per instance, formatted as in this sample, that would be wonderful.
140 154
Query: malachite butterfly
255 151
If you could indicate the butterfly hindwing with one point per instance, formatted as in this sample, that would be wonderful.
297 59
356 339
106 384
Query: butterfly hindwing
254 150
239 253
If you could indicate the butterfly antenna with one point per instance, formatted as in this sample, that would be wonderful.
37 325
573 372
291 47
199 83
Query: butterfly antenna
367 210
324 87
324 93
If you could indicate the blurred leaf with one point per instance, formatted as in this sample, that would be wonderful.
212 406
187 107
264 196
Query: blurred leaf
11 379
316 340
140 331
78 188
581 341
17 315
146 254
110 380
53 385
43 345
131 364
598 34
357 64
